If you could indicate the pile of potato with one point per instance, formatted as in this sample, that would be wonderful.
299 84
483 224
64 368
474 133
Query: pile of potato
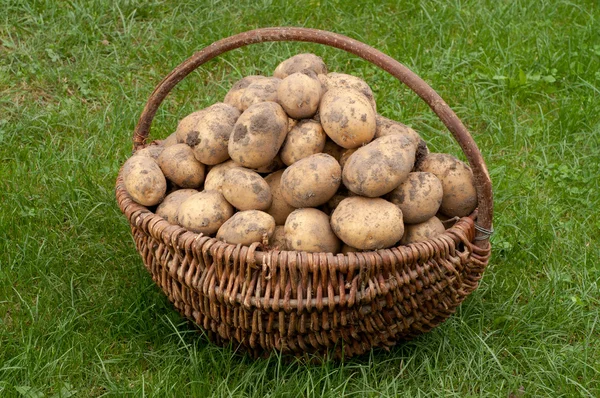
300 161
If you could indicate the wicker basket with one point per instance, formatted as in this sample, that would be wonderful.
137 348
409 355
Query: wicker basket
313 303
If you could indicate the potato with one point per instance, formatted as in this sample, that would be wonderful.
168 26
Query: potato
277 240
299 63
335 200
422 231
151 151
247 227
260 91
387 126
169 206
258 135
341 80
299 94
291 123
279 208
276 164
367 223
216 175
333 149
419 197
309 230
170 140
345 155
204 212
246 189
347 249
460 194
214 129
378 167
181 167
187 132
311 181
144 181
234 95
306 139
347 117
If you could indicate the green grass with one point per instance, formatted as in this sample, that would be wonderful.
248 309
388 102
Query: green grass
79 315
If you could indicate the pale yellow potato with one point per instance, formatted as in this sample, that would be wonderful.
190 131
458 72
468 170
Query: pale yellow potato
261 90
305 139
277 240
419 197
214 129
460 194
151 151
246 189
422 231
299 63
345 155
170 205
279 208
348 249
377 168
181 167
276 164
170 140
216 175
258 135
299 95
341 80
387 126
234 95
247 227
309 230
312 181
144 180
187 132
347 117
367 223
204 212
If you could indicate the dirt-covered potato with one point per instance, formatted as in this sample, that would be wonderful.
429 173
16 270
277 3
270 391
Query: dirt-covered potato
216 175
234 95
260 91
460 194
347 117
277 241
419 197
378 167
279 208
170 140
345 155
347 249
204 212
181 167
367 223
258 135
151 151
169 206
336 199
341 80
387 126
299 63
214 129
333 149
246 189
276 164
305 139
422 231
144 181
247 227
312 181
187 132
309 230
299 94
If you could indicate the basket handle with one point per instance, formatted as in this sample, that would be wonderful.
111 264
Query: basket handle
483 183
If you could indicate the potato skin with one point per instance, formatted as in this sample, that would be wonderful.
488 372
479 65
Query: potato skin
258 135
234 95
277 240
169 206
387 126
333 149
247 227
246 189
260 90
422 231
181 167
187 132
378 167
276 164
216 176
419 197
305 139
312 181
299 63
347 117
299 95
279 208
204 212
214 129
151 151
144 180
341 80
309 230
460 194
367 223
170 140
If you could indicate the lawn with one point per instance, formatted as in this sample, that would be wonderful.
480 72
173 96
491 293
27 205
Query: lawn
80 316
